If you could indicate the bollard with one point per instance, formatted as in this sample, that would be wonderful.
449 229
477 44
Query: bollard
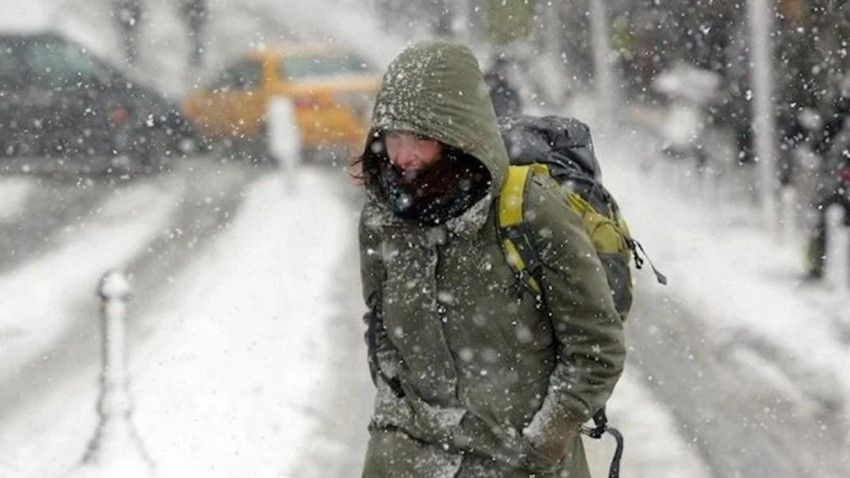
837 267
115 449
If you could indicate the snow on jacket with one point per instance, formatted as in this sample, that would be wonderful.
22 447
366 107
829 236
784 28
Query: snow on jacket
485 374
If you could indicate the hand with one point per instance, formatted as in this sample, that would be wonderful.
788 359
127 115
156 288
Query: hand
475 435
551 436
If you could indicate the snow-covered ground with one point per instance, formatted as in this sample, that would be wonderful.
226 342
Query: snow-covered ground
226 383
741 286
230 377
250 359
722 260
37 295
243 337
13 193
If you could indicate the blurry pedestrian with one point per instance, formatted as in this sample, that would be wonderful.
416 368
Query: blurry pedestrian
473 378
506 100
833 184
128 13
195 14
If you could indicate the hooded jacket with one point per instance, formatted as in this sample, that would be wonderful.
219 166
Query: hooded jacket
489 381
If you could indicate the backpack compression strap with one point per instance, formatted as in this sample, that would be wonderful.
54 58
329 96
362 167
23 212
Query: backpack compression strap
516 240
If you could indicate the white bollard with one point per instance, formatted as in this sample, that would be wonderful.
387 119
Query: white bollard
787 214
116 449
837 270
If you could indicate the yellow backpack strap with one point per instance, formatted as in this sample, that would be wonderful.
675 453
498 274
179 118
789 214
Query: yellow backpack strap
513 190
515 235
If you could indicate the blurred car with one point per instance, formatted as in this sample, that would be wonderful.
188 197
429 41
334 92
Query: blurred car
331 92
60 101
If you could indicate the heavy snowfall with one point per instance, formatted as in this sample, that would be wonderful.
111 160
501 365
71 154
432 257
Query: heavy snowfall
229 221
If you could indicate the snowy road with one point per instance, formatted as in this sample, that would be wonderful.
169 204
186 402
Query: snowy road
735 398
747 359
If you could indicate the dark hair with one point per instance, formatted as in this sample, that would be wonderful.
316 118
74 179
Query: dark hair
357 164
442 191
359 167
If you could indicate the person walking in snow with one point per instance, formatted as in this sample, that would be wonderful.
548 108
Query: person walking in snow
833 184
472 379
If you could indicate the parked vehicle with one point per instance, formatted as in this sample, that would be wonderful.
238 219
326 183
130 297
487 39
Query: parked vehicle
59 101
331 91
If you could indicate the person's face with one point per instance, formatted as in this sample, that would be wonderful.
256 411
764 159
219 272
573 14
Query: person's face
412 153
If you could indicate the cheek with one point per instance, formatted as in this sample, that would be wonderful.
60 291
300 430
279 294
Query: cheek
430 154
391 149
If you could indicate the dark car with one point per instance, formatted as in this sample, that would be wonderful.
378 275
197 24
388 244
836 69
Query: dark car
59 102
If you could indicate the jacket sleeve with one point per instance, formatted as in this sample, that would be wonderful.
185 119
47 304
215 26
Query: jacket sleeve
589 333
383 357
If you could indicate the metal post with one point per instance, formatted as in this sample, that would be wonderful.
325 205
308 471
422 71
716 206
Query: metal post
764 128
116 449
606 91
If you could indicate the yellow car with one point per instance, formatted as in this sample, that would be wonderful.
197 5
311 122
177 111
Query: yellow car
331 93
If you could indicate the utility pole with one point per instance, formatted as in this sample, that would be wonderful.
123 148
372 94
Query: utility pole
760 14
606 88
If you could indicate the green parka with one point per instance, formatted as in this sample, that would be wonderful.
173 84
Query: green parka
489 381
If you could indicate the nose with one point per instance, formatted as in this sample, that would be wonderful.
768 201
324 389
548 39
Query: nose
405 156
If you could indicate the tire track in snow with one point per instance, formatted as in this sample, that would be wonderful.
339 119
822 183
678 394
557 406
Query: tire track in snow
732 403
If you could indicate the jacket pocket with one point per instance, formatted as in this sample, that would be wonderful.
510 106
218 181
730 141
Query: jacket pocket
537 461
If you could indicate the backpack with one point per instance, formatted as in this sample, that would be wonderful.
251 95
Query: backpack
562 149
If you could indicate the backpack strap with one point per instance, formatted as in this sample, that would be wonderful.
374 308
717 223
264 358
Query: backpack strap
523 260
600 420
514 234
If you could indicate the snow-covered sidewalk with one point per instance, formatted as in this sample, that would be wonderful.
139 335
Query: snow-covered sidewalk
37 298
225 384
13 194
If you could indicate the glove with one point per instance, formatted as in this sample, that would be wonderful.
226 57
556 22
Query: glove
551 434
506 445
